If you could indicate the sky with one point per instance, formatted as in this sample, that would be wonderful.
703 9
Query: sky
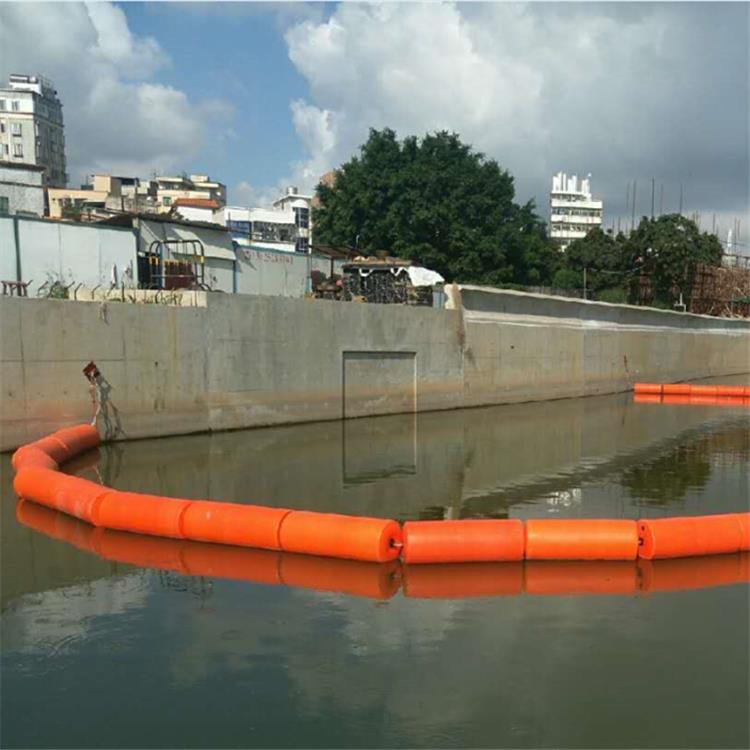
263 95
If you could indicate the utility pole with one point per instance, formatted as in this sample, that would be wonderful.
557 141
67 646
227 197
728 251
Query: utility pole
632 221
680 199
627 202
653 186
661 199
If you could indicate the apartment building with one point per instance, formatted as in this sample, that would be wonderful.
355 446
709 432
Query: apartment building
31 126
574 212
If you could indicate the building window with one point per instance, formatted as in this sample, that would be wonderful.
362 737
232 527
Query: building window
2 105
166 201
18 149
239 227
15 105
302 245
16 128
303 217
4 205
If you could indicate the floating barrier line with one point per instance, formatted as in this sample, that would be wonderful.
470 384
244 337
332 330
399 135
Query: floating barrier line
381 581
376 540
686 393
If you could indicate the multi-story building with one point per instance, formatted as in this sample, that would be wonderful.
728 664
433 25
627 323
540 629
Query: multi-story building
21 189
31 126
284 227
101 196
169 189
573 212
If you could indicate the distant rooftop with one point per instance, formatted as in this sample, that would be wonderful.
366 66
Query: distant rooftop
34 83
196 203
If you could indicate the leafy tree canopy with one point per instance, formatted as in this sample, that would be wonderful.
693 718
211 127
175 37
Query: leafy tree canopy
666 250
435 201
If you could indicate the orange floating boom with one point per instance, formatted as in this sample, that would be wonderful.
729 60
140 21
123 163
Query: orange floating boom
581 539
334 535
648 388
355 538
440 581
463 541
692 536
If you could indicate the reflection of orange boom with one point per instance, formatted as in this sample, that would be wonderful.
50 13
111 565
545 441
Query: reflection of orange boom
376 581
382 581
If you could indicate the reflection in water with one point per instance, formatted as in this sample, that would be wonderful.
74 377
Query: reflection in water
666 478
196 562
115 640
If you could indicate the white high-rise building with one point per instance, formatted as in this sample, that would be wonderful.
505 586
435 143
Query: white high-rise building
31 126
573 211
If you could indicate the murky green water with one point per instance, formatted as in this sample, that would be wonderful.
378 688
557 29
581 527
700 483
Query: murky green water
101 653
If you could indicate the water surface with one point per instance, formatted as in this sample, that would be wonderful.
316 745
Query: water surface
100 653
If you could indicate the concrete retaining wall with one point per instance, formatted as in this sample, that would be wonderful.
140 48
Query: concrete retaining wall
517 345
244 361
240 361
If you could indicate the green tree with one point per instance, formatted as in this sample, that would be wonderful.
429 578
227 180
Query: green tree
435 201
668 249
605 261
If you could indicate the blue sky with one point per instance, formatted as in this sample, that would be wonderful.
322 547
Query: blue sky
240 57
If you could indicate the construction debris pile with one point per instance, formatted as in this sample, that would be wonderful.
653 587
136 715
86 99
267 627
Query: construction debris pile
721 291
383 280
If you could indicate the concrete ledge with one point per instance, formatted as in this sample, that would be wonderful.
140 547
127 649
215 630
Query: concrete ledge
485 300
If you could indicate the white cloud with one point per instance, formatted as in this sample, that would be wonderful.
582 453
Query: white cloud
620 90
115 44
117 116
245 194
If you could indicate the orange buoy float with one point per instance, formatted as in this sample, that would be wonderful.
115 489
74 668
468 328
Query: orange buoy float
462 541
33 456
334 535
743 519
72 495
232 523
142 514
648 388
691 536
676 389
581 539
78 439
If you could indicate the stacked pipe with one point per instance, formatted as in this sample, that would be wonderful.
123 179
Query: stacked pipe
685 393
381 581
355 538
